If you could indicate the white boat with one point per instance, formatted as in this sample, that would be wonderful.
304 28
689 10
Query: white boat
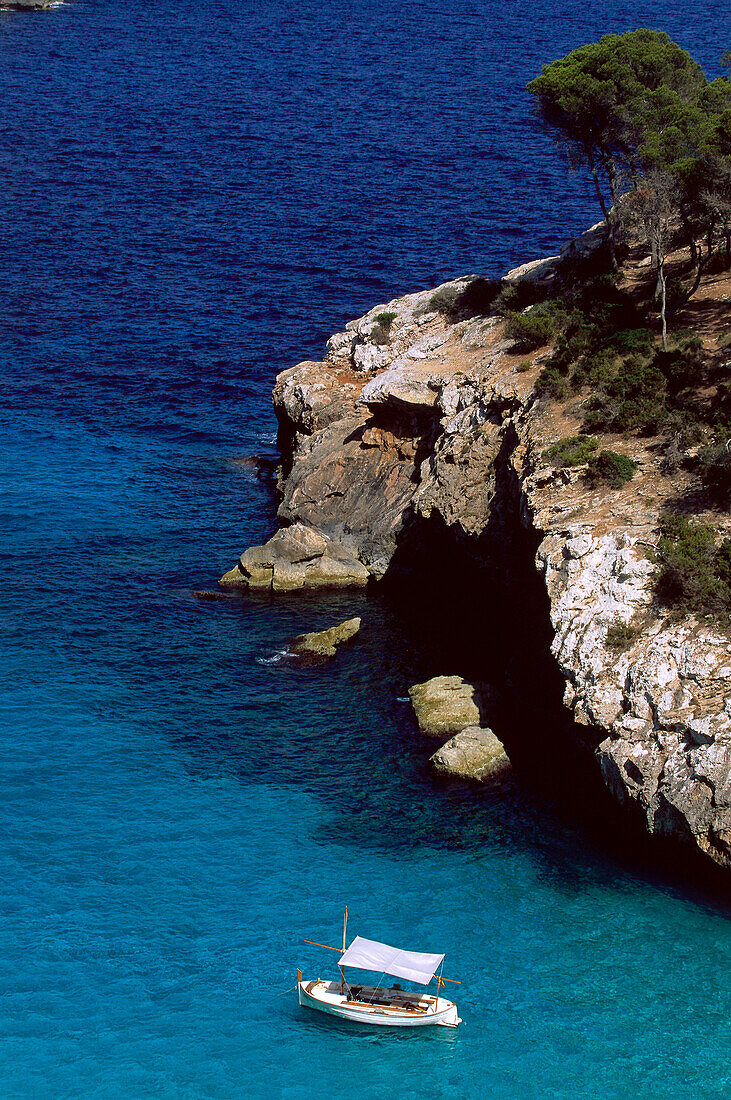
389 1006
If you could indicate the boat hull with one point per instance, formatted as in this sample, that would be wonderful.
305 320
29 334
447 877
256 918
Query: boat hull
326 997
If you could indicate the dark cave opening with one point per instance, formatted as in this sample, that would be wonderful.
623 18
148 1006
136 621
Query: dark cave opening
478 608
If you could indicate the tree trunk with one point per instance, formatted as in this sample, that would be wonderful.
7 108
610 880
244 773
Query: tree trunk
693 253
656 265
663 315
696 282
612 177
612 216
605 212
595 177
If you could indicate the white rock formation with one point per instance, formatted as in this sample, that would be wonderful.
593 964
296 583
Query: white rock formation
472 754
427 418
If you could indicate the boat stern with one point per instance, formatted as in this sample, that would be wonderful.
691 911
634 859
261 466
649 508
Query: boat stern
450 1018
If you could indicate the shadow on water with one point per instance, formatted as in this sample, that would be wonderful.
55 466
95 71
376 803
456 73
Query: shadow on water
344 733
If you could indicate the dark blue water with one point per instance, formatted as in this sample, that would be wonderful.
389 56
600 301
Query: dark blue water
193 197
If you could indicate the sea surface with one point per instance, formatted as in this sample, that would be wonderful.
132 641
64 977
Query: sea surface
193 196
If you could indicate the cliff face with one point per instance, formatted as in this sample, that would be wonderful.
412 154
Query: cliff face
415 421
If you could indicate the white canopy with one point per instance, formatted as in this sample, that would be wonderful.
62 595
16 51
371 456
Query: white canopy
415 966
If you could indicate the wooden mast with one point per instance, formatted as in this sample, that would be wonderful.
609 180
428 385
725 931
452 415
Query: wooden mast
342 968
439 986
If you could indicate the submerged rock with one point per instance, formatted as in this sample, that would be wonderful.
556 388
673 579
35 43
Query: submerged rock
324 643
475 753
445 705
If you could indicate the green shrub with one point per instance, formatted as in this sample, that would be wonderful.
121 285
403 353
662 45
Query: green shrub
442 300
529 331
611 468
676 291
607 308
571 345
475 300
594 368
536 326
524 365
630 397
381 333
601 342
681 365
715 470
694 573
723 568
720 412
639 392
572 450
601 324
515 297
551 383
620 635
585 312
576 271
684 425
632 341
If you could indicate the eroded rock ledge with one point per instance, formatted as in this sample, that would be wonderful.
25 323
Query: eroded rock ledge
412 419
29 5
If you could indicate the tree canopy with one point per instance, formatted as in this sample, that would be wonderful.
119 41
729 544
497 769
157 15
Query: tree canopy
636 109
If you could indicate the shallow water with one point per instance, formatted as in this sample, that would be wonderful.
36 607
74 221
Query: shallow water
192 199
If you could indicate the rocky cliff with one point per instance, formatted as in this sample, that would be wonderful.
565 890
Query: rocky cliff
423 418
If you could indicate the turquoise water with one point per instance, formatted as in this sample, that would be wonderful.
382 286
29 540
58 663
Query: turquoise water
193 199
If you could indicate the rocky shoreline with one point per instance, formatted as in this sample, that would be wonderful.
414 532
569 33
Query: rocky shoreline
422 431
29 5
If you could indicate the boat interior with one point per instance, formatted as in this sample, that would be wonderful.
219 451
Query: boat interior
393 997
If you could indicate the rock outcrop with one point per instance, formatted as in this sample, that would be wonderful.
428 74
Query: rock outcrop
423 413
323 644
474 753
28 5
358 459
445 705
296 557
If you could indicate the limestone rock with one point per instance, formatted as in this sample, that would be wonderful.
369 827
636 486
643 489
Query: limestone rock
445 705
297 544
351 427
415 330
587 243
474 753
310 396
296 557
424 420
28 5
401 385
535 271
324 643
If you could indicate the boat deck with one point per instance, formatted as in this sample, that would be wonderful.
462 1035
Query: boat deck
405 999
